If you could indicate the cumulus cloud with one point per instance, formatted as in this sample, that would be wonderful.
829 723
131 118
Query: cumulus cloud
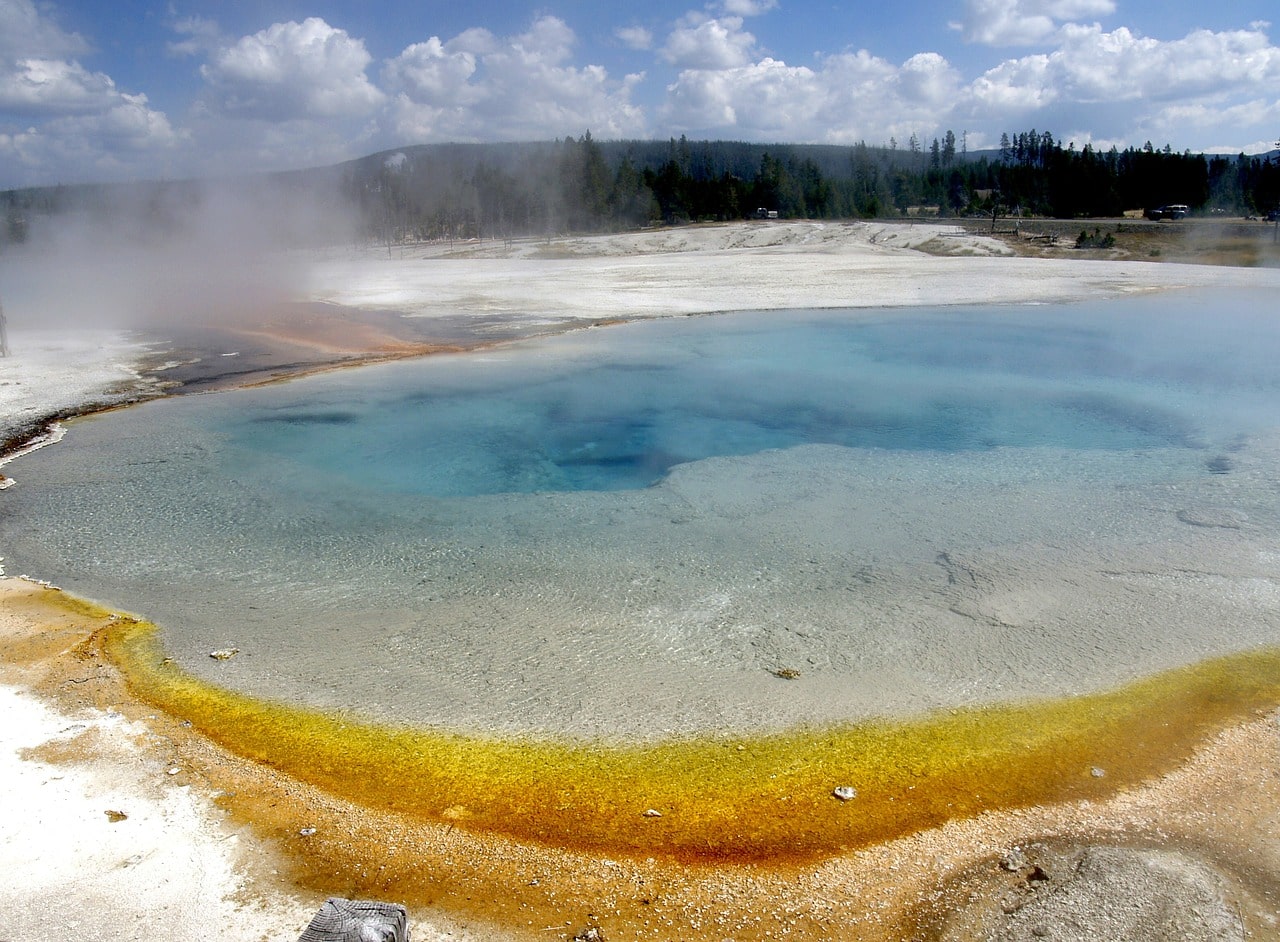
479 85
852 96
124 137
634 37
749 7
128 124
70 115
1092 66
1024 22
1123 89
300 93
702 42
26 32
758 99
1093 86
293 70
433 73
1228 118
54 86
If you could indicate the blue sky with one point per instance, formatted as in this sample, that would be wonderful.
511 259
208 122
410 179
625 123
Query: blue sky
132 90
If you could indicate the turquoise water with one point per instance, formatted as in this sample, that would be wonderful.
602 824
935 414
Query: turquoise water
619 410
631 529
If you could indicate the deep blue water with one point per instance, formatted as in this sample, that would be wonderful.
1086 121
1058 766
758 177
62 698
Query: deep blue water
617 409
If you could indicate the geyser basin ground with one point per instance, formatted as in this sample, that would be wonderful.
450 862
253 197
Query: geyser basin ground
632 532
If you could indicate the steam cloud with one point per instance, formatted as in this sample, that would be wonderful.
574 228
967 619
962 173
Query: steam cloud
154 255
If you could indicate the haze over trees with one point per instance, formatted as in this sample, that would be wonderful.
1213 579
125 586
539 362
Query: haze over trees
467 191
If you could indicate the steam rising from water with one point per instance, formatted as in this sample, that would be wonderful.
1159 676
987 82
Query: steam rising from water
191 253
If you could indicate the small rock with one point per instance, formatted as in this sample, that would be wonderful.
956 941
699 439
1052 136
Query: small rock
1097 772
653 813
307 832
224 654
1012 901
845 792
786 673
1014 860
114 816
173 771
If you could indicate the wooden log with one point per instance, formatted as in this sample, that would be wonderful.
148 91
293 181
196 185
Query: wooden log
346 920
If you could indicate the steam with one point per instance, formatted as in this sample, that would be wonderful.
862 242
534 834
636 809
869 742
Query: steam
154 255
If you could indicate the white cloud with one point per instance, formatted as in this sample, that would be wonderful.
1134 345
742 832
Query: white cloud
852 96
1094 67
293 70
432 73
926 80
759 99
548 41
749 7
479 86
1016 86
125 138
54 86
700 42
128 124
1024 22
1211 121
73 119
634 37
203 37
26 32
1123 89
305 93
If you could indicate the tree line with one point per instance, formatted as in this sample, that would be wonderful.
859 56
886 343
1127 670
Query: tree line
465 191
582 185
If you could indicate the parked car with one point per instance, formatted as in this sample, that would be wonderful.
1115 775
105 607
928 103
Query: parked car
1169 211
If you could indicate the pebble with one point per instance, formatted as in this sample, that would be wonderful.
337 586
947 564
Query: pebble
845 792
1014 860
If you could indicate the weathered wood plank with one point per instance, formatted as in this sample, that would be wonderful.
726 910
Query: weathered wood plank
346 920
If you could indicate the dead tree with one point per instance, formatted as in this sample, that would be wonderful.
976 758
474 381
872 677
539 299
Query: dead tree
345 920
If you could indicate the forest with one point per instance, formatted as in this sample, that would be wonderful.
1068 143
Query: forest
580 185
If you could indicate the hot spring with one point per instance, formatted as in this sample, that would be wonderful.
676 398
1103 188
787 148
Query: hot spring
743 522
